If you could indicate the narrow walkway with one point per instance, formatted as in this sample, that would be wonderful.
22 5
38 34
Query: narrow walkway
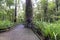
19 33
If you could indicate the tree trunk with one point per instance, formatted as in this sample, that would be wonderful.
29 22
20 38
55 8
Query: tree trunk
15 11
28 13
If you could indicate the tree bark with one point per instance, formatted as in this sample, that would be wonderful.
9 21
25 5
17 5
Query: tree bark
29 14
15 11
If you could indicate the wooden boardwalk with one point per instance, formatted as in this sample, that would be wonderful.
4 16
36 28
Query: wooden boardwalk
19 33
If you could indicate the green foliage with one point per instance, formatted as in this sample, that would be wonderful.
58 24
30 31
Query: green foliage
44 3
51 5
52 29
7 14
9 2
10 14
1 2
2 14
21 17
5 24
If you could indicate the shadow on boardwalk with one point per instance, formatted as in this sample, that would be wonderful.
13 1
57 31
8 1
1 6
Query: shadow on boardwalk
19 33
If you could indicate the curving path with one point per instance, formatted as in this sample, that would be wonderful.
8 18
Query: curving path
19 33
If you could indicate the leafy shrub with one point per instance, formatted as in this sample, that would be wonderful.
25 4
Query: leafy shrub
52 29
5 24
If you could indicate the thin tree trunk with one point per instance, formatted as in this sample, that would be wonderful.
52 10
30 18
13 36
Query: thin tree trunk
15 11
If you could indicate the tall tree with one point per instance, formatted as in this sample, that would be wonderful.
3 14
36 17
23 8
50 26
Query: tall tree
28 13
15 11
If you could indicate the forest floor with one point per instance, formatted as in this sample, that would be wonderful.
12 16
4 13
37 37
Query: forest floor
19 33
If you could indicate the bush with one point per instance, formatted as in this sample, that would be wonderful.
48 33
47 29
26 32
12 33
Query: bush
5 24
49 29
